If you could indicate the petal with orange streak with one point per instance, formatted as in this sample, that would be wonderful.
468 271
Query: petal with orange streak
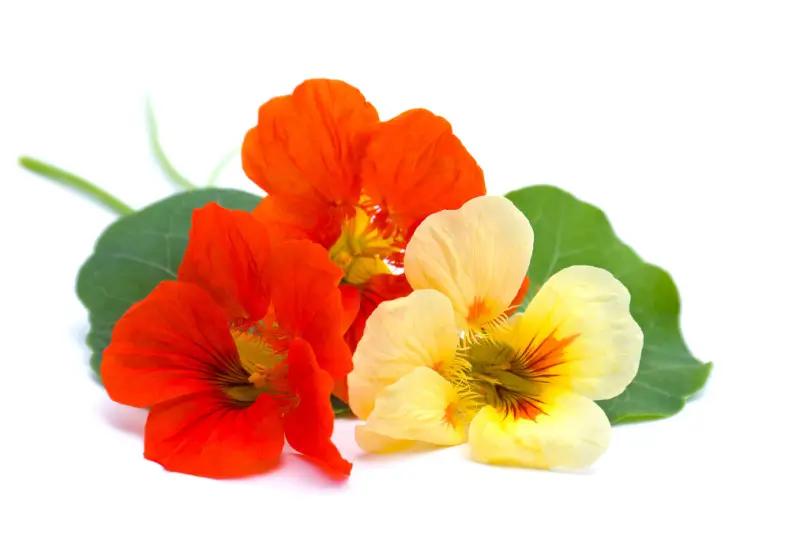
572 432
416 408
477 255
418 330
592 308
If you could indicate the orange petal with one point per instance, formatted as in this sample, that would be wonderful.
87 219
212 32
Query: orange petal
378 289
207 434
309 425
308 304
523 291
173 343
228 255
306 146
414 166
351 303
287 218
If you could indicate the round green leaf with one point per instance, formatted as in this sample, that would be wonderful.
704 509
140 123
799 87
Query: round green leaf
137 252
570 232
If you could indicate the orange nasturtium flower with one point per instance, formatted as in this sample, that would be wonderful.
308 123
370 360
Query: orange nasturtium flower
338 176
446 364
239 352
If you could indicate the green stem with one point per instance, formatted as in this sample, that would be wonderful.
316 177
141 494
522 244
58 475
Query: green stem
218 169
75 183
161 156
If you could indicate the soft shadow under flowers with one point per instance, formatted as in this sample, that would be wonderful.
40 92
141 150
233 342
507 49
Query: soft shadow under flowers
419 448
129 420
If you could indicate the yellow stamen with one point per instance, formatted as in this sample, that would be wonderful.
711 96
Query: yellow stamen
512 380
459 373
362 249
261 362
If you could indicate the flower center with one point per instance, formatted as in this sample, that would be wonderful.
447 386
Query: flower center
364 247
262 353
511 379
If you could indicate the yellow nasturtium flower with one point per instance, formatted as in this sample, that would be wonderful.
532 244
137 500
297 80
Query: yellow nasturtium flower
447 363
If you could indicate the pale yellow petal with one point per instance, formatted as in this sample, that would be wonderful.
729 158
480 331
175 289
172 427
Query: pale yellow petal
415 331
571 433
421 407
579 333
477 255
372 442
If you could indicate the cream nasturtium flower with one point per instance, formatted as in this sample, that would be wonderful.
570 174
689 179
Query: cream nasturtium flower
447 364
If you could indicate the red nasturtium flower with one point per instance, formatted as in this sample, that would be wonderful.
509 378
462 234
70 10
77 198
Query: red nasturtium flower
338 176
241 350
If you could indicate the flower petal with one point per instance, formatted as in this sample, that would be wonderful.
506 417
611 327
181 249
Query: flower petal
174 342
288 219
207 434
306 149
420 406
594 344
400 336
307 302
309 425
372 442
378 289
477 255
228 255
351 304
414 166
572 432
523 291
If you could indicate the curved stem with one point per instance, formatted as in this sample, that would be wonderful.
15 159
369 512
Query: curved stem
222 164
75 183
161 156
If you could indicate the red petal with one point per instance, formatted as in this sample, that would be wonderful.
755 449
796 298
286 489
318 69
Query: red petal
523 291
309 425
414 166
229 255
351 302
288 219
306 150
308 304
209 435
378 289
174 342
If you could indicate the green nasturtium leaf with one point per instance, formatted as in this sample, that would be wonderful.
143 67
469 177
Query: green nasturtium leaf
570 232
137 252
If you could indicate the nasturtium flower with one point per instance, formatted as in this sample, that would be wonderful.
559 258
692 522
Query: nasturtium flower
452 363
239 352
338 176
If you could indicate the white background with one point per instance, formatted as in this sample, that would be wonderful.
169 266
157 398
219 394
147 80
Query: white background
680 119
